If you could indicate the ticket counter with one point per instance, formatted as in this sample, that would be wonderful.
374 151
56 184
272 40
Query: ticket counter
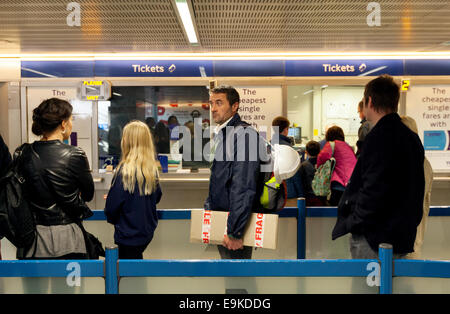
180 190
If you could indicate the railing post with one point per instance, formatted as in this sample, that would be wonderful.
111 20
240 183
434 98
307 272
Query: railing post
301 228
385 256
111 273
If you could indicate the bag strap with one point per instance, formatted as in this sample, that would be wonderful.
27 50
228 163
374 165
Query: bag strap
18 156
332 144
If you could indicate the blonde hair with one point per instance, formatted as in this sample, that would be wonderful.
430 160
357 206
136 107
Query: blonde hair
138 163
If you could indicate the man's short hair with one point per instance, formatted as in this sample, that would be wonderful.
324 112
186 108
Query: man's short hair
231 92
281 122
313 148
335 133
385 94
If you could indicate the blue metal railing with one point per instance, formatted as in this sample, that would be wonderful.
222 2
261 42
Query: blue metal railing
300 212
111 269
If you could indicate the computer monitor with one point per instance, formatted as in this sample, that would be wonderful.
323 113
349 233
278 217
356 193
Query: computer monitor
296 133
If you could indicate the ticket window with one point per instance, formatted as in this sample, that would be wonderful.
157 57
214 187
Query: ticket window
314 108
162 108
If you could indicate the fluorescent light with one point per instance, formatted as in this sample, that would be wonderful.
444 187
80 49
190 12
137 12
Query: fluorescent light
308 92
225 56
183 10
324 86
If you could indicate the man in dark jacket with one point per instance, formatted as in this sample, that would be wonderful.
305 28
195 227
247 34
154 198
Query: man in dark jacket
236 183
281 130
383 200
5 157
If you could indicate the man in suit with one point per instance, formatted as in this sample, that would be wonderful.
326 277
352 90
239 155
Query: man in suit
383 201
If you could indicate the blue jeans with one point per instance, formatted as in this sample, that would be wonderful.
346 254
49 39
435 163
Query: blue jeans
360 249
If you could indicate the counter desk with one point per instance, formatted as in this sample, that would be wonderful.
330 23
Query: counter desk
180 190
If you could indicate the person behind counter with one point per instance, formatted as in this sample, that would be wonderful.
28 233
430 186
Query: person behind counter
59 182
134 193
162 138
281 130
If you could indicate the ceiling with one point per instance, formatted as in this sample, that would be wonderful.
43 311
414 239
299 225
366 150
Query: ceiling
224 26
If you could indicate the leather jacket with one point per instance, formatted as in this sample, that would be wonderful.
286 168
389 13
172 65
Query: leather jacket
58 182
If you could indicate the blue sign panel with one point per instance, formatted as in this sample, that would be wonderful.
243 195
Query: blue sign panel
54 69
434 140
343 67
249 68
154 68
427 67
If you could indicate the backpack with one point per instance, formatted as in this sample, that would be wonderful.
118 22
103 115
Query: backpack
17 222
274 195
322 177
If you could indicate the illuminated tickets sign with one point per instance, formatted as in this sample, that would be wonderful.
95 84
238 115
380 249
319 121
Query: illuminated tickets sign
343 67
154 68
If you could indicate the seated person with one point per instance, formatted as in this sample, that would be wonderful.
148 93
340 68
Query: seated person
307 171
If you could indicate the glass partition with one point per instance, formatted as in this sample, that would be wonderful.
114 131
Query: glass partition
314 108
162 108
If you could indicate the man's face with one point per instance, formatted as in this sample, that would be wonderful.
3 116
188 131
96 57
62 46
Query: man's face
221 108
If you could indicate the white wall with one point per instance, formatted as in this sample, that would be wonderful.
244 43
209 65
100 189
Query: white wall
300 108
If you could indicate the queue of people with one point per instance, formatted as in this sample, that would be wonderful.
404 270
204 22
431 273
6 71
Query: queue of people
365 189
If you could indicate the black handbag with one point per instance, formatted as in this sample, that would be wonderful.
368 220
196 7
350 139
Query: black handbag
94 248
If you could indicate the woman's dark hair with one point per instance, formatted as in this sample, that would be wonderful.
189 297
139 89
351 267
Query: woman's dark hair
162 132
49 115
335 133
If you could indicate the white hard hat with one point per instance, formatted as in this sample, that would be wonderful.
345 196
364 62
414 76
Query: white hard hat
286 162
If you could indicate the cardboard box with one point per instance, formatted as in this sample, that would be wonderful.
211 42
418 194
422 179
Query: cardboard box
210 227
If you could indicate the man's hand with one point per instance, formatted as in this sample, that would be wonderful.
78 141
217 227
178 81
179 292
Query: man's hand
232 244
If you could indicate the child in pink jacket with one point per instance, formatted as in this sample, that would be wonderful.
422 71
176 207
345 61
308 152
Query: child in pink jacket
345 162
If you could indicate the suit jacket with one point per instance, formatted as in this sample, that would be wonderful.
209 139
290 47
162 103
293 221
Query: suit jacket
236 181
384 198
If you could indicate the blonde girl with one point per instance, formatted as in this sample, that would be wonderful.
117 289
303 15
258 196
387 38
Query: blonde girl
134 193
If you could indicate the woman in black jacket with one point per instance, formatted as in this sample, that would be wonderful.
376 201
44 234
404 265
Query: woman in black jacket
58 183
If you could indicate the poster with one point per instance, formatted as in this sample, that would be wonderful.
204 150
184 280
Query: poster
340 107
429 105
259 106
82 115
